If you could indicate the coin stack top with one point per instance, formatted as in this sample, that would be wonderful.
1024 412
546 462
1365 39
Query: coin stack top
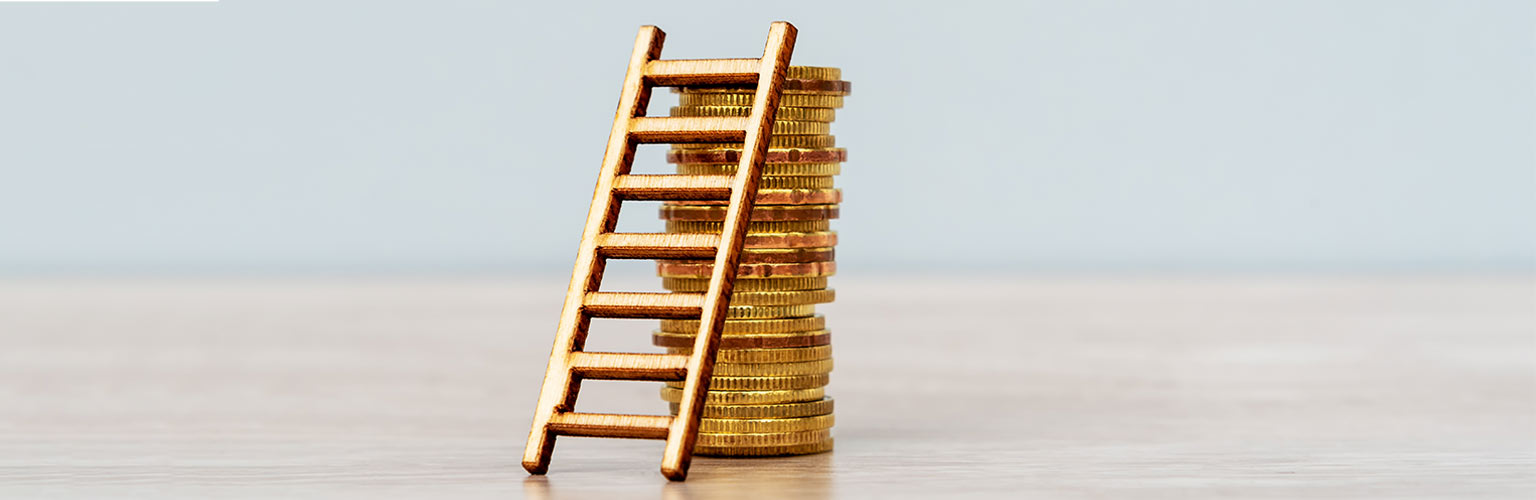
768 394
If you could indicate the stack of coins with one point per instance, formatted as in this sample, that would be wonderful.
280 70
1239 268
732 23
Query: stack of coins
768 393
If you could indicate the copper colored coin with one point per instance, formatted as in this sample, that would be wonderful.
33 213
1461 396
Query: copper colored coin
761 341
829 155
671 269
810 141
786 255
792 240
784 197
794 226
764 213
791 86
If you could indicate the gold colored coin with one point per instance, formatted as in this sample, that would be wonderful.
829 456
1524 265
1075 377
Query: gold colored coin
782 325
790 86
764 213
770 170
674 395
777 142
783 298
780 410
732 154
765 425
814 73
705 226
783 196
699 285
764 438
786 183
791 100
764 451
767 312
820 367
773 184
738 357
824 115
747 340
801 128
721 383
672 269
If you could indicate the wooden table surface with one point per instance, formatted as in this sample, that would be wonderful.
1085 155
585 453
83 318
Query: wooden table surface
1277 387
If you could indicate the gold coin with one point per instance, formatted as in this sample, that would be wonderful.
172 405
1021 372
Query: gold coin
814 73
770 170
819 367
791 100
674 395
763 451
747 340
775 357
733 155
787 183
720 383
699 285
672 269
708 226
824 115
777 141
783 298
783 325
790 86
801 128
779 410
783 196
764 438
765 425
765 312
763 213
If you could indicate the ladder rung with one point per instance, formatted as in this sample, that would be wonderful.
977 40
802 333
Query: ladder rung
658 245
688 129
610 425
643 305
679 72
673 187
629 366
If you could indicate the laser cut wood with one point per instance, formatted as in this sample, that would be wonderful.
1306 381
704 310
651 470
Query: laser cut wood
568 363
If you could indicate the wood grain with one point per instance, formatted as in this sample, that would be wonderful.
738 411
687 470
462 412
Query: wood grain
1097 387
554 414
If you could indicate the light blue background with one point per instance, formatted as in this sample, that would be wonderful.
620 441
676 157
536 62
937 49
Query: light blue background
366 136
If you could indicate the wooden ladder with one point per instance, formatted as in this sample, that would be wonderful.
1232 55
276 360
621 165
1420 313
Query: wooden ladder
568 363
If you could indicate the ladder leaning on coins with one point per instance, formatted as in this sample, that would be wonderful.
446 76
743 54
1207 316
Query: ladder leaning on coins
569 364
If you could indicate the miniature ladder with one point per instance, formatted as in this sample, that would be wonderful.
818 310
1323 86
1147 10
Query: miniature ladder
568 363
